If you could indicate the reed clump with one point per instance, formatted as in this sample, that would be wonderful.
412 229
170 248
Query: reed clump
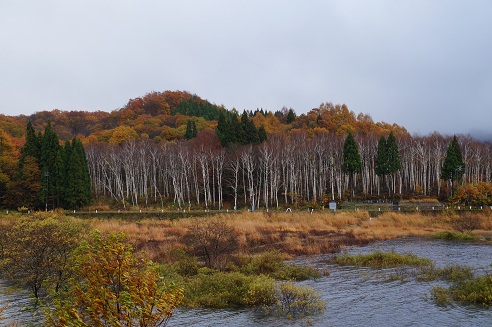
475 291
454 236
451 273
381 260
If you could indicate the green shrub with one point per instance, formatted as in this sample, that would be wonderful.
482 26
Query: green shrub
216 289
186 265
296 301
381 260
261 292
466 290
477 290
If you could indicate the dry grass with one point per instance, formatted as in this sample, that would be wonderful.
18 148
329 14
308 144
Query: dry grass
393 225
293 233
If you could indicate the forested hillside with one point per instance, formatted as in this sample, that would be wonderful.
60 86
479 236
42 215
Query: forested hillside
177 149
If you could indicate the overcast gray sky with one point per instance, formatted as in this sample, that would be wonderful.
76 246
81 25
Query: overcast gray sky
423 64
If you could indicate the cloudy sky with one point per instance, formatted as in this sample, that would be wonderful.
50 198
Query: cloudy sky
423 64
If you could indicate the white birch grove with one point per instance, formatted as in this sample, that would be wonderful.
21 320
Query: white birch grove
291 169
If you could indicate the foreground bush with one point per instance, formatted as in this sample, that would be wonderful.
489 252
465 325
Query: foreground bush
215 289
111 287
35 250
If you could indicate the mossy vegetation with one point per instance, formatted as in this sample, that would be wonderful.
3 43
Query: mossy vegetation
454 236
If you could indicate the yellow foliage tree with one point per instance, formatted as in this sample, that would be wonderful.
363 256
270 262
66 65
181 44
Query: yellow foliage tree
122 134
112 287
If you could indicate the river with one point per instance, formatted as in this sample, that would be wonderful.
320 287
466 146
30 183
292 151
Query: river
366 297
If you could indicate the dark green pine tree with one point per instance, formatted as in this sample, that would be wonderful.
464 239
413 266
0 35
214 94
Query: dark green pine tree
236 133
223 130
291 116
381 160
351 161
453 167
66 157
262 135
189 130
393 154
51 168
249 129
26 184
388 159
77 181
194 131
32 146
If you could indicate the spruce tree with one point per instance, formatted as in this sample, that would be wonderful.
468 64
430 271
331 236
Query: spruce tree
249 129
388 158
393 154
352 163
290 116
236 133
262 135
189 130
381 159
50 166
194 131
32 146
453 166
222 130
77 183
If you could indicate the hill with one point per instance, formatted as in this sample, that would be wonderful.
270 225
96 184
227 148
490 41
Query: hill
163 116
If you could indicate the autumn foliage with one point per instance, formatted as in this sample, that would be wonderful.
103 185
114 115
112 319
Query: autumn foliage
173 144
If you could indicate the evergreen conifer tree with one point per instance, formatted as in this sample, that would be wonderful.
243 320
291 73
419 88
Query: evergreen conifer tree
189 130
381 159
290 116
222 130
50 166
32 146
454 165
352 163
194 131
262 135
393 154
388 159
249 129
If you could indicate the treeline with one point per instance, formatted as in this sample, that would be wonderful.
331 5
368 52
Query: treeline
290 169
47 174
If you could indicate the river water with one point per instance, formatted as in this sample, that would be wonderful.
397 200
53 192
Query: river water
363 296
